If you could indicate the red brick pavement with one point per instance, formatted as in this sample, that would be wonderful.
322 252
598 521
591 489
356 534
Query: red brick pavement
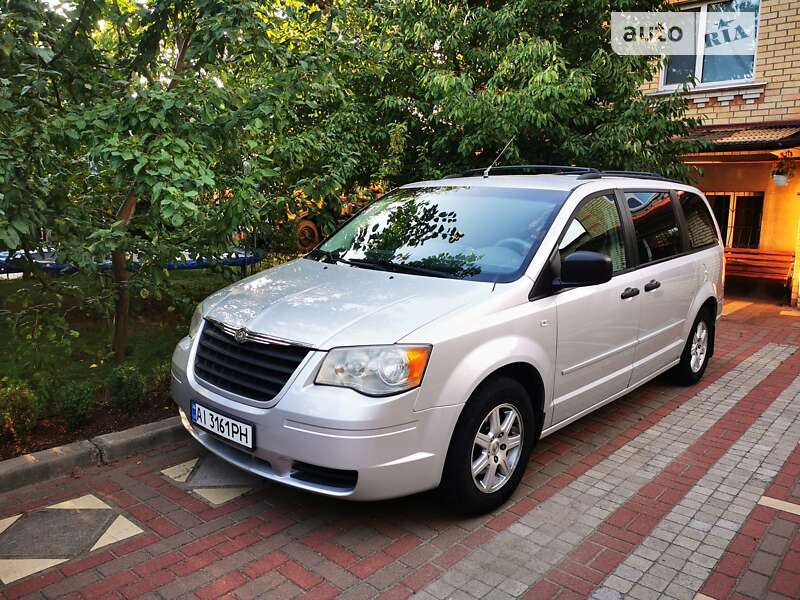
628 526
764 557
279 542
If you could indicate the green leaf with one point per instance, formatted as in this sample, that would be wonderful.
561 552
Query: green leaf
44 53
10 237
20 225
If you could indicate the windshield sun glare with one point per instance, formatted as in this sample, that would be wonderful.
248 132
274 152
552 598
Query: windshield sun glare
462 232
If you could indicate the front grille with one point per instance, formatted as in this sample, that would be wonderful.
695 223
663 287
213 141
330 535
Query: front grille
250 369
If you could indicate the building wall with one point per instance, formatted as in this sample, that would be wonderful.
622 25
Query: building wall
777 68
780 222
781 215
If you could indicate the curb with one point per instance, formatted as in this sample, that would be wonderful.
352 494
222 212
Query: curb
119 444
63 460
46 464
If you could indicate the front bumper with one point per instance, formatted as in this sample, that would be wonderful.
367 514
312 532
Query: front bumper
394 450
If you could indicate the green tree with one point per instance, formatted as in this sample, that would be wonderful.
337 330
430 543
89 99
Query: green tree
461 78
146 128
167 126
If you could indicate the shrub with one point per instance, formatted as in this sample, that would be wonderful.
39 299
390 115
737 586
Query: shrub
160 381
47 385
76 403
19 409
128 388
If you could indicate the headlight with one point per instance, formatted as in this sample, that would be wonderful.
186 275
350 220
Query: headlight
375 370
197 320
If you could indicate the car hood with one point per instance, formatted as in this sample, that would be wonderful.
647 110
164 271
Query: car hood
326 305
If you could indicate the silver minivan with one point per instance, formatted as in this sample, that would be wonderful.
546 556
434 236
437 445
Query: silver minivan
438 334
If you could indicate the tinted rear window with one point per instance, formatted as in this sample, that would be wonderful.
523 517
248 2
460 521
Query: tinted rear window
657 233
699 222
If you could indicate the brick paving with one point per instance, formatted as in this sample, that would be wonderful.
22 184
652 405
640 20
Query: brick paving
669 492
763 559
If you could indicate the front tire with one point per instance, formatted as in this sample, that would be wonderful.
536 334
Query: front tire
490 448
697 351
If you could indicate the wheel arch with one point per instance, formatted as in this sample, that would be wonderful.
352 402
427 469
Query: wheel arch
530 378
711 305
706 298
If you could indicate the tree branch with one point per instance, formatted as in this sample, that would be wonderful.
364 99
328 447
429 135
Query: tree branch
180 62
72 33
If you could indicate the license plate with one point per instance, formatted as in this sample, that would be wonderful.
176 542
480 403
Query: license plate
230 429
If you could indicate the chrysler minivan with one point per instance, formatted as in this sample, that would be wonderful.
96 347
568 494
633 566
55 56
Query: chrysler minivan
437 335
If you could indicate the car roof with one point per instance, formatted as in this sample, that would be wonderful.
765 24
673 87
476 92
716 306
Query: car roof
564 182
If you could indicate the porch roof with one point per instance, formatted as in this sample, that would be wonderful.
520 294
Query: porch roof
749 137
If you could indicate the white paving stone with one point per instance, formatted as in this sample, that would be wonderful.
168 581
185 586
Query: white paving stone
736 481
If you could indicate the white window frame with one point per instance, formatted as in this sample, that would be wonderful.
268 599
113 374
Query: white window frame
699 53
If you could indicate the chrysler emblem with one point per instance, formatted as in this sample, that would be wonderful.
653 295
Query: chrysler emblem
240 335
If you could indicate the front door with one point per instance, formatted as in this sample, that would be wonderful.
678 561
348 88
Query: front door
597 325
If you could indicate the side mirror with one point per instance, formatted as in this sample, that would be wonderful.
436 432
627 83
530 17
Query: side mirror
584 268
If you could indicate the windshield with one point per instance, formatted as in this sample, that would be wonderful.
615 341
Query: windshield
477 233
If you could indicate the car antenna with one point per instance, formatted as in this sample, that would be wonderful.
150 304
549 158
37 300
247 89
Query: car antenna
499 156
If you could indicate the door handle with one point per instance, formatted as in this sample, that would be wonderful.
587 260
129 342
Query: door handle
652 285
629 293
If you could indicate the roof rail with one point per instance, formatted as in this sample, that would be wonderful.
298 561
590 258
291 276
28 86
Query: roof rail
581 172
636 174
551 169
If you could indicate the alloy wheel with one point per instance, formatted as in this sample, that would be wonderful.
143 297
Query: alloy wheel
496 448
699 347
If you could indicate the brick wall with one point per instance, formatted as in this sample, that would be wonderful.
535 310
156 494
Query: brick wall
777 68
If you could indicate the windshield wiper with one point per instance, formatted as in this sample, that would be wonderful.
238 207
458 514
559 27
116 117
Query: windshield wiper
363 263
334 257
382 265
412 269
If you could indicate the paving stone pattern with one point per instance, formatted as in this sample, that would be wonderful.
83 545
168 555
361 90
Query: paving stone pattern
678 556
669 492
550 532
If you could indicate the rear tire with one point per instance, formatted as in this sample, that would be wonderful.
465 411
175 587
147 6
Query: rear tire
697 351
490 448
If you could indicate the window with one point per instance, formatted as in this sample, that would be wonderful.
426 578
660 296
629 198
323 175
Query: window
739 217
699 222
726 46
657 232
463 232
721 206
597 227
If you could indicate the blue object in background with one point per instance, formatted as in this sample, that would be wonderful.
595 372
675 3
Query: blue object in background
10 262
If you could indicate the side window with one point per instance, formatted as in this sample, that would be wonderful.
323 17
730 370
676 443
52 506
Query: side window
657 232
597 227
699 222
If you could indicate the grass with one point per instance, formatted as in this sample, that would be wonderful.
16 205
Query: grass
156 325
